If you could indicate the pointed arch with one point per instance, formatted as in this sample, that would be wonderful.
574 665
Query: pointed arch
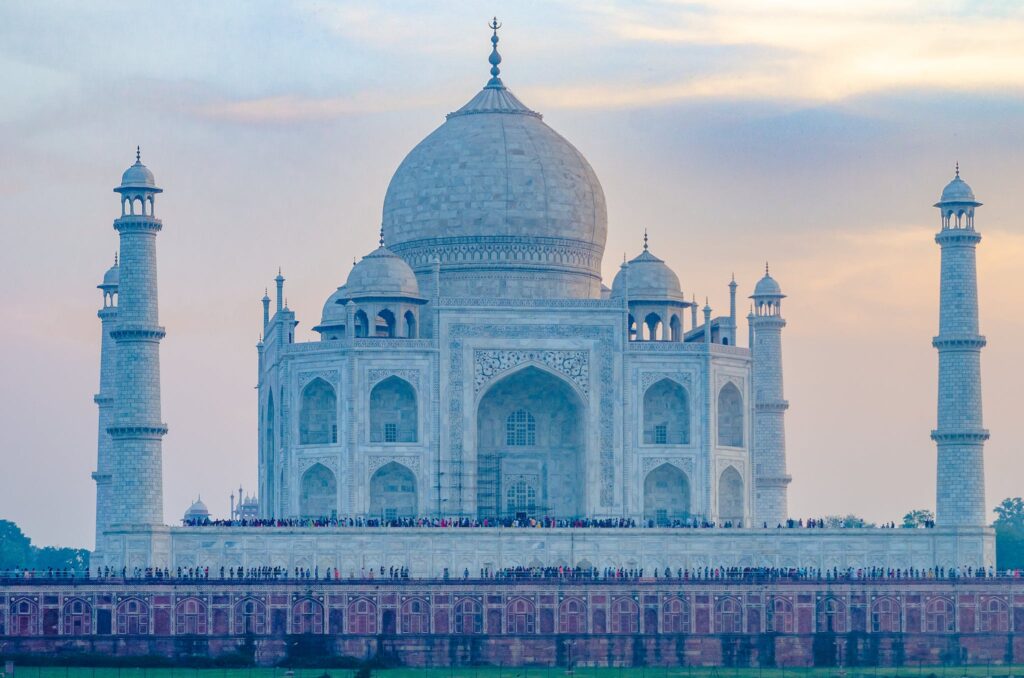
666 495
250 617
666 414
730 416
319 492
468 616
362 324
675 615
411 329
190 617
885 615
416 615
386 324
307 617
730 496
318 416
77 614
675 327
728 615
654 327
270 456
393 493
393 412
530 427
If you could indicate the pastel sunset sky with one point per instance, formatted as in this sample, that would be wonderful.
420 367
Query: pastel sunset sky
814 134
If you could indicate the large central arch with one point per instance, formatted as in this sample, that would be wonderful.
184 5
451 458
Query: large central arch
530 447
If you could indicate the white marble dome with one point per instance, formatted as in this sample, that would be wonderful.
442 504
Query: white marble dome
957 191
649 278
197 511
495 189
767 287
381 273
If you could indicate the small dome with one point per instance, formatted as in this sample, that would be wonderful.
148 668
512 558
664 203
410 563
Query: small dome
649 278
197 510
767 287
137 176
957 190
381 273
334 309
112 277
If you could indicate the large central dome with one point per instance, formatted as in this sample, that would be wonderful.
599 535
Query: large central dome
508 206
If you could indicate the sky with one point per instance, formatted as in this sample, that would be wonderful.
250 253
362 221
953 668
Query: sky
812 134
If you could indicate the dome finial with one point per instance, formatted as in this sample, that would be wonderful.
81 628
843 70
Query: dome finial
957 169
766 269
645 240
495 58
115 258
138 154
381 240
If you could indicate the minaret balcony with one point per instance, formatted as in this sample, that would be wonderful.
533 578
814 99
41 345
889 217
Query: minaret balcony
978 435
963 342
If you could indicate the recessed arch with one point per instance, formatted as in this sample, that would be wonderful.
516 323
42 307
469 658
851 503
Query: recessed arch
730 496
530 434
393 493
318 417
386 323
653 327
319 493
675 327
730 416
393 411
411 328
362 323
666 414
666 495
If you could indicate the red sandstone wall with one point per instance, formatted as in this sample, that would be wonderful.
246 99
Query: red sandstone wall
533 623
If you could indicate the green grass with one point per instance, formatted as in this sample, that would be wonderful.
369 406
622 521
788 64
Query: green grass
523 672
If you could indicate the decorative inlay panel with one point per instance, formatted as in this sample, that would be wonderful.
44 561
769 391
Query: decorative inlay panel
375 375
489 364
685 464
648 378
330 376
375 462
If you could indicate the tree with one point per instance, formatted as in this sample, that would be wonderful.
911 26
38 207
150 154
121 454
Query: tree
848 520
16 550
1009 525
15 547
918 518
61 557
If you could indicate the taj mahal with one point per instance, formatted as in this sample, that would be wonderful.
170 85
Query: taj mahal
476 368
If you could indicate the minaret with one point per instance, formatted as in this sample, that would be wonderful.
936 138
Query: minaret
769 433
104 400
959 436
137 430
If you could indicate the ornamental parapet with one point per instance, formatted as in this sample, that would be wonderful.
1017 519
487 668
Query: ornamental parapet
462 303
979 435
681 347
137 222
772 406
519 251
768 322
101 478
151 431
958 236
103 399
138 332
963 342
774 481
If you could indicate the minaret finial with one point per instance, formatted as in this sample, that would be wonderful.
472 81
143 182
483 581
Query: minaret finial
138 154
495 58
645 240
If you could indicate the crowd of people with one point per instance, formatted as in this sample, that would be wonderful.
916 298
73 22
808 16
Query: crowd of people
607 574
508 522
